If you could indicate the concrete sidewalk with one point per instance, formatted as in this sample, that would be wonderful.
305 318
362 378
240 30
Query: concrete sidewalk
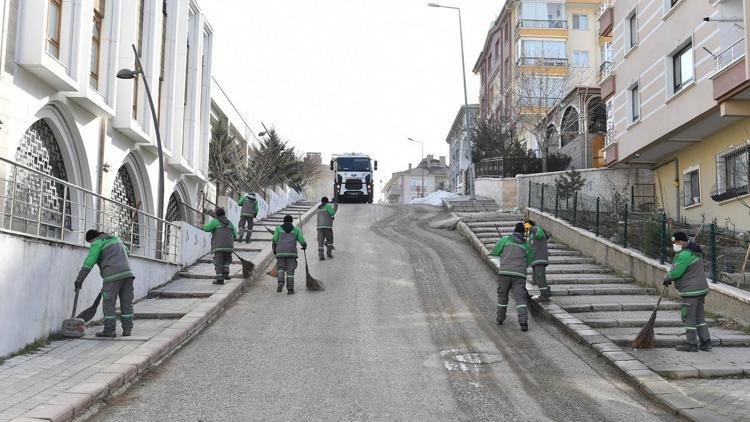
59 381
606 311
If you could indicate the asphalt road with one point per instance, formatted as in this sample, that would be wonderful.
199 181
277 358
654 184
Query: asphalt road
379 344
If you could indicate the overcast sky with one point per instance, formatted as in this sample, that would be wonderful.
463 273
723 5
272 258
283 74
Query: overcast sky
338 76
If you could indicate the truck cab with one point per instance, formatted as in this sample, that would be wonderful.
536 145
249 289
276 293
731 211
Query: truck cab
353 177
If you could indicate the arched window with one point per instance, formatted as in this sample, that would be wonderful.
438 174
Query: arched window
569 127
41 205
597 115
174 209
124 220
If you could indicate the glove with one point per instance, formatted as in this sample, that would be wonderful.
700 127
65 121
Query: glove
78 284
81 276
304 246
667 280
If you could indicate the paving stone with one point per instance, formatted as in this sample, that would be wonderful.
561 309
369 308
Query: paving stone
673 364
654 388
602 290
187 288
164 308
618 356
607 347
707 415
630 318
78 401
678 401
53 412
208 271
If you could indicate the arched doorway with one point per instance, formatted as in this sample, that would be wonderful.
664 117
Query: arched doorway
41 203
569 127
174 211
123 220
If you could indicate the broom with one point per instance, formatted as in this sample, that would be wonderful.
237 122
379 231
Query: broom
247 266
310 282
646 338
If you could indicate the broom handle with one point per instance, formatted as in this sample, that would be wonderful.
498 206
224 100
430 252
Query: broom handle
75 304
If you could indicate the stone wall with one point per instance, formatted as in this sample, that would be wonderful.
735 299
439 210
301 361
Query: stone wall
599 182
503 191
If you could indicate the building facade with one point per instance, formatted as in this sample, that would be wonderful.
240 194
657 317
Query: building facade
405 186
677 91
460 151
536 54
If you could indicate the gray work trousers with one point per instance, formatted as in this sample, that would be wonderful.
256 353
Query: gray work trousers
325 238
518 286
694 319
286 267
246 227
111 290
222 261
539 279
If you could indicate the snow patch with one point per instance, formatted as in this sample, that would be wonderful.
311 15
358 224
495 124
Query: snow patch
435 198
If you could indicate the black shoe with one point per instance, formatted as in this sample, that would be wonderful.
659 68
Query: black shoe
322 258
499 321
126 333
524 327
705 346
687 348
107 334
330 256
219 282
280 287
290 292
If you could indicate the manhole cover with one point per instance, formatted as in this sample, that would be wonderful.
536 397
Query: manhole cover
473 358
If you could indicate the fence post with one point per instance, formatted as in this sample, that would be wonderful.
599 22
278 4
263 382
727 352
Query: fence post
632 197
596 226
712 248
625 228
542 199
557 203
575 207
529 206
663 244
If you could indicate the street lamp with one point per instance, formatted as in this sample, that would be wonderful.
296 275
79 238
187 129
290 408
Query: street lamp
422 144
467 133
130 74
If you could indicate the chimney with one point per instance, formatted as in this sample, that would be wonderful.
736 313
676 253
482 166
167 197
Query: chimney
442 161
409 166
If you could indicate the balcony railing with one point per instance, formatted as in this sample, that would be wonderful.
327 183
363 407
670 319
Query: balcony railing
542 61
37 205
604 6
609 137
542 23
538 102
606 70
730 55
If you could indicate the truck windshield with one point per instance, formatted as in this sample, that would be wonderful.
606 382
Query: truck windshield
353 164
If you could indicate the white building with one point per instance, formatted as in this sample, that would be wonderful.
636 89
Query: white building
460 151
429 176
78 146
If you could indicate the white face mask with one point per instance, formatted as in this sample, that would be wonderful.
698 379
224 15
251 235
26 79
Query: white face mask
676 247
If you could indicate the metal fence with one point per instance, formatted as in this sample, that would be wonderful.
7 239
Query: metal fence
37 205
642 227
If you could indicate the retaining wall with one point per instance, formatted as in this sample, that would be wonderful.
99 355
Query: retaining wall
503 191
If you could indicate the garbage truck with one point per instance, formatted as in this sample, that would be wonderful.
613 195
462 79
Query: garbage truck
353 177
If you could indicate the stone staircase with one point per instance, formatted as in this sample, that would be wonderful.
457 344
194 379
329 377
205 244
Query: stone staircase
607 310
195 283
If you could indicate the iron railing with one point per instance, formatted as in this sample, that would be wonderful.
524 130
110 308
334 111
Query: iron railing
542 23
609 137
730 54
542 61
606 69
41 206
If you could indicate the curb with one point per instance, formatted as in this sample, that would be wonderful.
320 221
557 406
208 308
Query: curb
649 383
107 382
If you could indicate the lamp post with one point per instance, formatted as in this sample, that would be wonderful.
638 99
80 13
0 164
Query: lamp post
422 145
467 132
130 74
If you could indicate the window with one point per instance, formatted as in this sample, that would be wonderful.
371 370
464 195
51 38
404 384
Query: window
543 49
139 48
607 52
732 173
163 55
542 15
635 103
96 44
632 30
497 48
54 20
580 58
581 22
682 67
691 185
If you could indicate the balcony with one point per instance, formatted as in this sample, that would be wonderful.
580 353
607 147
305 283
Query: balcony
606 79
606 70
729 75
542 62
730 55
609 137
541 23
606 19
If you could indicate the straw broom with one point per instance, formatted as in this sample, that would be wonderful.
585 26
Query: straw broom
646 338
310 282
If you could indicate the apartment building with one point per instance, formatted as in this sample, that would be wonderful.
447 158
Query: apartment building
460 151
417 182
677 98
65 113
535 54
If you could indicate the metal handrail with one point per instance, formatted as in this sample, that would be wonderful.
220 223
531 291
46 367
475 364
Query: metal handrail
542 23
29 208
606 69
609 137
542 61
730 54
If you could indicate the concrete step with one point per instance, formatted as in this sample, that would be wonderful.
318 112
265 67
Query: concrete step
587 279
186 288
207 271
564 268
564 252
637 319
575 304
673 336
550 245
507 221
600 290
245 247
164 308
209 259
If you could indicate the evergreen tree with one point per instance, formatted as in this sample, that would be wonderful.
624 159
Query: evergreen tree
569 182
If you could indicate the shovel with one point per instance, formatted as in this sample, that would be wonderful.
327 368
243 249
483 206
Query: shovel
74 327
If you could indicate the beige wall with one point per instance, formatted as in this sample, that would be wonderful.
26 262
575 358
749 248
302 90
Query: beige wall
703 155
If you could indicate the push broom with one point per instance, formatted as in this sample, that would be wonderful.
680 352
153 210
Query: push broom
310 282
